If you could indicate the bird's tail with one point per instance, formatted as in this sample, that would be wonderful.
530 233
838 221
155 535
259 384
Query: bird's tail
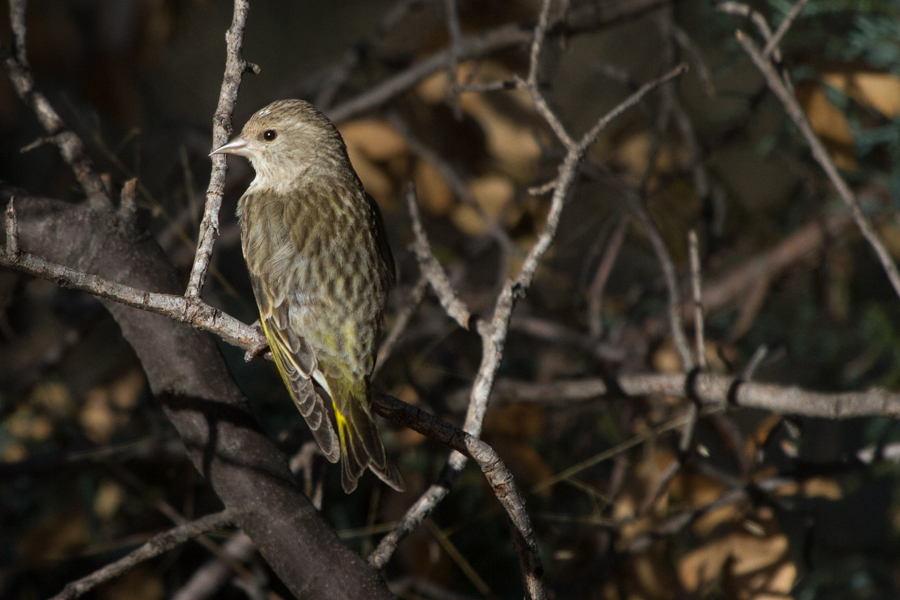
361 444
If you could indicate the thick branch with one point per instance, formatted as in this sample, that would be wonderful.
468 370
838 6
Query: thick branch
189 378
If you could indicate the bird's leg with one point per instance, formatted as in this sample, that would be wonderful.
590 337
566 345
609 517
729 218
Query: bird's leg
261 346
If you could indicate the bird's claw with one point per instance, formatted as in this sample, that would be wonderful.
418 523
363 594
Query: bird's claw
260 347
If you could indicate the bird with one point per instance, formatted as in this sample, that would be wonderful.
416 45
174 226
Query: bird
321 269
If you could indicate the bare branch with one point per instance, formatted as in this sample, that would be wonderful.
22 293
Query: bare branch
338 74
820 153
494 469
711 390
181 309
235 66
401 322
742 10
433 271
783 27
589 18
451 16
604 270
673 313
207 580
158 544
70 145
697 290
591 136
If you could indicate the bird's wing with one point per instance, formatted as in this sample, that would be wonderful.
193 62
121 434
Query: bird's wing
296 362
361 444
384 249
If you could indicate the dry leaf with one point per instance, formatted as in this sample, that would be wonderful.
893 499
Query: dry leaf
25 425
54 397
751 564
492 193
814 487
376 139
889 232
139 584
108 499
518 419
666 359
14 452
376 182
56 536
512 144
880 91
434 193
125 391
96 416
468 221
829 123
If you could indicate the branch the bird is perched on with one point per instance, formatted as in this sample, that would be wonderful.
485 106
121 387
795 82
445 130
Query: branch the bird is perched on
321 270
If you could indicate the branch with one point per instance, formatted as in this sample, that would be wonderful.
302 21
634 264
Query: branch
711 390
494 333
433 271
189 378
820 153
495 471
587 19
70 145
178 308
155 546
235 66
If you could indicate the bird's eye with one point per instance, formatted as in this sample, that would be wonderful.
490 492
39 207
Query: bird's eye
270 134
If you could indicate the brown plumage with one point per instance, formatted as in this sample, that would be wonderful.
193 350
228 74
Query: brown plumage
321 270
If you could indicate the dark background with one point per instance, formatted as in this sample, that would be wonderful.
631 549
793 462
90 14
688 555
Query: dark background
139 81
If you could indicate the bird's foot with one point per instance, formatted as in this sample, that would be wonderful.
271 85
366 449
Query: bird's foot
260 347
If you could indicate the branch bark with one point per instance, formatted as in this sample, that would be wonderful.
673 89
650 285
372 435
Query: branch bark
190 380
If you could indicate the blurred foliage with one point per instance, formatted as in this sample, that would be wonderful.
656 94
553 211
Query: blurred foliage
89 466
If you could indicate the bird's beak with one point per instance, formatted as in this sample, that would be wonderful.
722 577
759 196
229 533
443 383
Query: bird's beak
238 146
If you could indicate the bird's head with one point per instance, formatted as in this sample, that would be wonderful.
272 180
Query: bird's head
288 140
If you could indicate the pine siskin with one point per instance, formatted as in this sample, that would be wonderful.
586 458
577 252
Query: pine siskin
321 270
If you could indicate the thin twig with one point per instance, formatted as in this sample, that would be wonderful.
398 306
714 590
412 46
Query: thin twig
604 270
432 270
494 334
676 325
70 145
154 547
584 20
127 211
783 27
454 180
759 355
820 153
235 66
451 15
684 40
195 313
338 74
416 295
697 290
